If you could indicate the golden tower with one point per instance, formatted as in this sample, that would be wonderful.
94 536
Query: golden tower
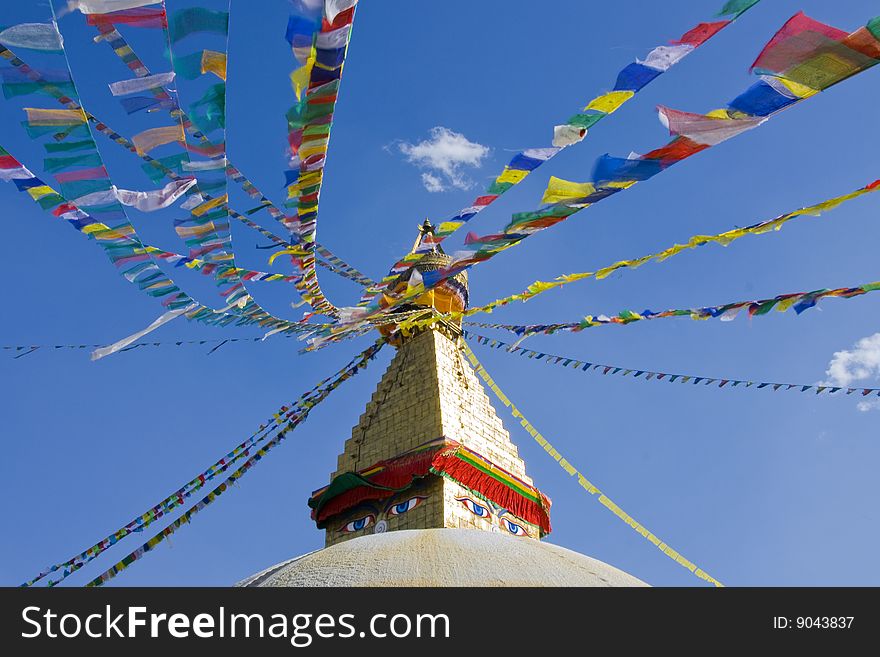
429 451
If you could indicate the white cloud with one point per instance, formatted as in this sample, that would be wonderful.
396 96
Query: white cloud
444 155
857 364
432 183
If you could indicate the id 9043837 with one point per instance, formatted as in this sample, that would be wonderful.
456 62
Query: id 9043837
813 622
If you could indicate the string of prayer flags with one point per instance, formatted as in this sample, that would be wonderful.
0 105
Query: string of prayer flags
31 348
120 241
724 239
632 79
649 375
149 279
209 110
125 250
190 67
81 175
287 419
22 350
611 176
339 266
798 301
319 43
585 483
202 240
207 233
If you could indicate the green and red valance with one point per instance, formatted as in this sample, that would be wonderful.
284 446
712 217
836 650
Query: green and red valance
441 457
379 481
493 483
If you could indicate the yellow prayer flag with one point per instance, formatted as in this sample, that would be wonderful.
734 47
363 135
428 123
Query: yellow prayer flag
448 227
798 89
314 149
609 102
563 190
605 272
37 193
294 251
94 228
511 175
147 140
195 231
202 208
48 117
785 304
214 62
300 77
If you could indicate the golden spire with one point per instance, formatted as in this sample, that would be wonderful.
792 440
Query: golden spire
424 229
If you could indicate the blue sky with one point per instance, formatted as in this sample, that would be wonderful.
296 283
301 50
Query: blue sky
756 487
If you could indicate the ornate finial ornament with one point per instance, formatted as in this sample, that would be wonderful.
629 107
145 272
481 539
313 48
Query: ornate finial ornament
449 296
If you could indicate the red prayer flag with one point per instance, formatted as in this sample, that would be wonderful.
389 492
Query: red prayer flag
701 33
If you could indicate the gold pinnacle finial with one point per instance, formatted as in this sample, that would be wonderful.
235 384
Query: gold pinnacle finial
424 228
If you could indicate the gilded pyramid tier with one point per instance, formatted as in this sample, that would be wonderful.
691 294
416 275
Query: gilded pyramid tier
429 451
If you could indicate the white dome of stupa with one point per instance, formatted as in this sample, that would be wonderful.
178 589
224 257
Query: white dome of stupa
442 557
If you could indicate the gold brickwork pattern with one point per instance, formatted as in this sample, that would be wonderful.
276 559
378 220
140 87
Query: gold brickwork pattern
429 390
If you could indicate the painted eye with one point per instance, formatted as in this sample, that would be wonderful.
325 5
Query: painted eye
513 528
477 509
359 524
403 507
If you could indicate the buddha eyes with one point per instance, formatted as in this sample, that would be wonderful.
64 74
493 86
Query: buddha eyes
513 528
477 509
403 507
359 524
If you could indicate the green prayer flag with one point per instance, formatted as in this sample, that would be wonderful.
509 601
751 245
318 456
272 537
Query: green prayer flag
585 120
37 131
53 164
50 201
188 67
734 8
499 188
79 188
63 147
173 162
13 89
197 19
874 27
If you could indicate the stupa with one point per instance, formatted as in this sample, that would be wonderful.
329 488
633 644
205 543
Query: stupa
429 489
